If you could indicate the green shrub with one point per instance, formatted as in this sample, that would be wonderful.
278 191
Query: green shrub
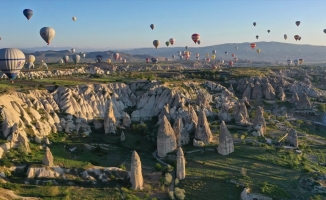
158 167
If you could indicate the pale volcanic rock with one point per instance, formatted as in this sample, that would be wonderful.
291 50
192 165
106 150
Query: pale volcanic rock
292 138
304 102
181 165
191 120
166 140
48 158
260 120
165 112
182 135
281 95
257 92
247 92
136 176
204 99
203 131
268 91
225 146
231 88
198 143
126 121
122 137
295 98
109 120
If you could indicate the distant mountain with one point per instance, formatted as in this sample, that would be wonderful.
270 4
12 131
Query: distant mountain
270 52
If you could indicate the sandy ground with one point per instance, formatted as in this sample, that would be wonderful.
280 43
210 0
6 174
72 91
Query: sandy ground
10 195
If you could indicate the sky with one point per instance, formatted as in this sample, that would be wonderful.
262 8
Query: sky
125 24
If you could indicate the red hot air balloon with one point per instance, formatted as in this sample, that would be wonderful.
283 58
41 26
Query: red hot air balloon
147 60
230 63
195 37
299 38
297 23
296 37
233 55
253 45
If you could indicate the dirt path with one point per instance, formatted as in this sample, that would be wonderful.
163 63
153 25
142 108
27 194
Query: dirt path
10 195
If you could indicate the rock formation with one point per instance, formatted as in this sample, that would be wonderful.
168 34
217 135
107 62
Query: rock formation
231 88
225 146
165 112
247 92
122 136
240 113
257 92
136 175
166 140
126 121
181 164
203 131
109 119
191 120
292 138
198 143
182 135
304 102
48 158
281 95
259 122
295 98
268 91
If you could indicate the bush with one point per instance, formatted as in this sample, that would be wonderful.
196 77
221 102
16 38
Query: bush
122 167
274 191
167 179
179 193
158 167
171 195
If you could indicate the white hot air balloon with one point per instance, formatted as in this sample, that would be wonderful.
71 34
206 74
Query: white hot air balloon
73 50
30 61
289 62
84 55
60 61
65 58
47 33
74 19
76 58
296 62
11 62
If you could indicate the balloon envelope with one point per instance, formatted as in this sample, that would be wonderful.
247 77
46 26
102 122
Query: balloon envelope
154 60
74 19
172 41
156 43
76 58
116 56
99 58
152 26
30 58
254 23
195 37
11 61
297 23
28 13
252 45
257 36
214 51
73 50
109 61
65 58
198 41
285 36
47 33
167 43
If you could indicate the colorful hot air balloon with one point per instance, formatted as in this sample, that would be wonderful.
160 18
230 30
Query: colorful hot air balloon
152 26
289 62
207 59
296 62
147 60
195 37
74 19
156 43
257 36
236 59
198 41
254 23
99 58
186 47
213 57
214 52
116 56
28 13
233 55
230 63
11 62
172 41
268 31
154 60
301 61
253 45
167 43
258 51
296 37
73 50
76 58
297 23
65 58
124 61
285 37
47 33
109 61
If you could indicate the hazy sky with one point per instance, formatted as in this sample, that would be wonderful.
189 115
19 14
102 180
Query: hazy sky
118 24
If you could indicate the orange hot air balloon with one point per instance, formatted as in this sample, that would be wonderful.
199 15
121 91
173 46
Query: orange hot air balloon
195 37
253 45
296 37
230 63
233 55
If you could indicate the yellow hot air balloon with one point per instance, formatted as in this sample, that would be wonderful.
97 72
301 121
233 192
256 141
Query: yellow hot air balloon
30 58
213 57
258 50
109 61
207 54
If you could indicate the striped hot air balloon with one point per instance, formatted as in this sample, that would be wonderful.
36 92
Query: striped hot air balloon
253 45
195 37
11 61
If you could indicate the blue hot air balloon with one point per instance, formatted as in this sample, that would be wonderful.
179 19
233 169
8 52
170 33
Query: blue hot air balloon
154 60
11 61
99 58
28 13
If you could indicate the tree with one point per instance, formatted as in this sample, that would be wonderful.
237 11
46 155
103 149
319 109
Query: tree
179 193
167 179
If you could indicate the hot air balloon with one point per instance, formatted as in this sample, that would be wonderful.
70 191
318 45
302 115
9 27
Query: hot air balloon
152 26
173 56
214 52
179 53
30 61
226 53
109 61
300 61
297 23
197 54
233 55
73 50
296 37
324 30
198 41
76 58
289 62
60 61
258 51
84 55
186 47
285 37
207 54
253 45
74 19
28 13
213 57
47 33
254 23
222 62
195 37
147 60
116 56
154 60
124 61
257 36
268 31
11 62
172 41
230 63
156 43
166 59
99 58
236 59
296 62
181 57
207 59
167 43
299 38
236 48
65 58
